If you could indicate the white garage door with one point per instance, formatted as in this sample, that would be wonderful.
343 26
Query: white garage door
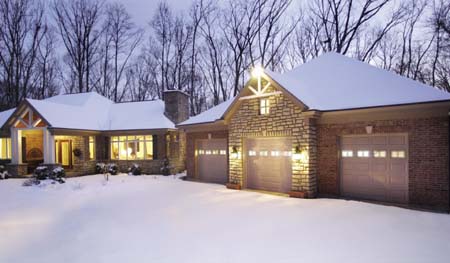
375 167
269 164
212 160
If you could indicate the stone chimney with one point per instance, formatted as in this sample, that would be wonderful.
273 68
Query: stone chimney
176 105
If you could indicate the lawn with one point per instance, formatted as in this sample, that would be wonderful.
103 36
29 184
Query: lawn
163 219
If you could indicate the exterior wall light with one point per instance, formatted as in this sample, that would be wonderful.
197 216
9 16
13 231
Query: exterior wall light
235 154
257 71
300 155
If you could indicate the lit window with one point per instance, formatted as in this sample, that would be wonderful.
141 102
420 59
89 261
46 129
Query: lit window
363 154
251 153
287 153
131 147
264 107
201 152
208 152
91 147
347 153
398 154
223 152
5 148
379 154
263 153
275 153
215 152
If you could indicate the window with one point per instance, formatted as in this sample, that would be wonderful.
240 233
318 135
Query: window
275 153
398 154
91 147
263 153
264 107
347 153
251 153
223 152
379 154
5 148
201 152
132 147
363 154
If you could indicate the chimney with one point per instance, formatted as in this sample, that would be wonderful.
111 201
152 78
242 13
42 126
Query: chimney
176 104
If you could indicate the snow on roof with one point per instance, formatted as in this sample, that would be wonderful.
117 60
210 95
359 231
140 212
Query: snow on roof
138 115
334 82
213 114
91 111
4 116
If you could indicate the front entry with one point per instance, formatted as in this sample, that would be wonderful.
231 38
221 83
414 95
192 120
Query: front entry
268 165
64 153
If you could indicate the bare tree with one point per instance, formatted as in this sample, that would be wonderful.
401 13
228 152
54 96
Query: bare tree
78 22
21 33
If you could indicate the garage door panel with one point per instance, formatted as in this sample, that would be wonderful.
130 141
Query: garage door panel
212 160
383 175
269 167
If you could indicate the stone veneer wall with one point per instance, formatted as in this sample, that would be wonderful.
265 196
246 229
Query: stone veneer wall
284 120
191 138
428 156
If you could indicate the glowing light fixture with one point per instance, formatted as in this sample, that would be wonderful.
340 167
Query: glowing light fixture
300 155
257 71
235 154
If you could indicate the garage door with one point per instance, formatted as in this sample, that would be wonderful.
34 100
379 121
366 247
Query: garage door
269 164
375 167
212 160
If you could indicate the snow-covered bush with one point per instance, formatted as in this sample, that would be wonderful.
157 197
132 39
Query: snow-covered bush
100 168
113 169
41 173
165 169
135 169
3 173
31 182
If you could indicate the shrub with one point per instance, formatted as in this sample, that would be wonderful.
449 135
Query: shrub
3 173
31 182
41 173
135 169
113 169
100 168
165 169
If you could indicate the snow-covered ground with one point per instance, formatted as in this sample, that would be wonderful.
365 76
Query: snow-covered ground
162 219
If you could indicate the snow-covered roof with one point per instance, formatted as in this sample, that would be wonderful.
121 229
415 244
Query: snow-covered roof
211 115
4 116
91 111
335 82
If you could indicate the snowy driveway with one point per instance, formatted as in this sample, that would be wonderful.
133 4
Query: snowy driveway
143 219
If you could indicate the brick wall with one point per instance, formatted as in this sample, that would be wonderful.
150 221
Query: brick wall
285 120
191 137
428 156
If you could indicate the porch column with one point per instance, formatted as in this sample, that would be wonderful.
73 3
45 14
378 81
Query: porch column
49 147
16 146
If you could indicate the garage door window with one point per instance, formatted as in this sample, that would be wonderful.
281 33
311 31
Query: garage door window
346 153
275 153
398 154
263 153
379 154
363 154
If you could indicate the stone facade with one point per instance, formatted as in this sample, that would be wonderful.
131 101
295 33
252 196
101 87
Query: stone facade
176 105
428 156
285 119
191 139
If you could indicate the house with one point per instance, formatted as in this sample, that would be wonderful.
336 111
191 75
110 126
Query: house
76 131
333 126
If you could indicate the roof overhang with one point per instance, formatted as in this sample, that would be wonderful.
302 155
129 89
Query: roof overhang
218 125
23 105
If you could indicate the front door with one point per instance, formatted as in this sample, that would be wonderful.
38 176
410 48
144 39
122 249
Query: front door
64 153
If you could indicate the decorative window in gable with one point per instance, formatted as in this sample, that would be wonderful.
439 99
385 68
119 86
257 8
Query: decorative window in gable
264 106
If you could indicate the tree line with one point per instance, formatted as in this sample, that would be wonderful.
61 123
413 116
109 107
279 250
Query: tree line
71 46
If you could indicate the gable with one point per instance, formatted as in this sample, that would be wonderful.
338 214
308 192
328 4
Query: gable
25 116
269 88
